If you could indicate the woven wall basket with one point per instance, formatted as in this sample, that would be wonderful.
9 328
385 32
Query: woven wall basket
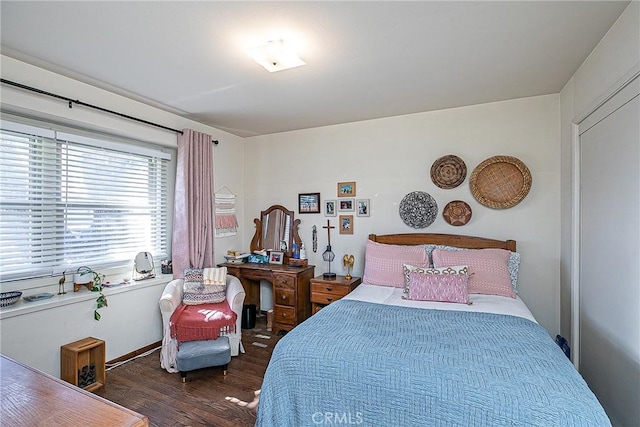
457 213
448 171
500 182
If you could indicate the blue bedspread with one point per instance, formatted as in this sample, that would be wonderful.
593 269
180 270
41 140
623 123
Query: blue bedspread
358 363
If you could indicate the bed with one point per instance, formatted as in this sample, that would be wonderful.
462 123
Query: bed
379 358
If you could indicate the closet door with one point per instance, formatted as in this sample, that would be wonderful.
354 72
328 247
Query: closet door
609 286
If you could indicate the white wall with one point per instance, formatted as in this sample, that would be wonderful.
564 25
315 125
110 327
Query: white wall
132 319
130 322
616 54
391 157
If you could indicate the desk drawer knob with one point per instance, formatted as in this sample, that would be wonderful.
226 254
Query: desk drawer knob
284 297
329 289
329 299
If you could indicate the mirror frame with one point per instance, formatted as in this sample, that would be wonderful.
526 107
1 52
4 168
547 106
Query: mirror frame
257 241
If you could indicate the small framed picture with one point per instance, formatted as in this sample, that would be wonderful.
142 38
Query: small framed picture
309 203
363 207
346 224
276 257
346 205
330 208
347 189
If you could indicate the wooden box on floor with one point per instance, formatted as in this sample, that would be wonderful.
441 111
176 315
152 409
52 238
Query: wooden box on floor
83 353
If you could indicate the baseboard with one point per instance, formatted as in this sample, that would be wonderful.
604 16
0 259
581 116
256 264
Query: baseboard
135 353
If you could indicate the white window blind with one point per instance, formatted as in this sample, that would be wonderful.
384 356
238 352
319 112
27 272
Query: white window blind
65 204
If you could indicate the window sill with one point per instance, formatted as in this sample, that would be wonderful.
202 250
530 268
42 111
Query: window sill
22 307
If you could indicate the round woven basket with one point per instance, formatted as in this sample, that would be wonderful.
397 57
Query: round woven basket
500 182
457 213
448 171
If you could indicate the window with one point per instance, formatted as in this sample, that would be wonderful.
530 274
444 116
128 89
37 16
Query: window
68 201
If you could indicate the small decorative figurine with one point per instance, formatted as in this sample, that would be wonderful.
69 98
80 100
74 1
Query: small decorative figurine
347 262
61 290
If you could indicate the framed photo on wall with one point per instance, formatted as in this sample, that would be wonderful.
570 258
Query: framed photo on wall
346 224
363 207
347 189
346 205
309 203
330 208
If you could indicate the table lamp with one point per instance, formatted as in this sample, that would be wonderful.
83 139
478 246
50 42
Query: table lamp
328 255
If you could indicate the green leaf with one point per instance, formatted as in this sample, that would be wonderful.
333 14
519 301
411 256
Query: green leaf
96 315
101 301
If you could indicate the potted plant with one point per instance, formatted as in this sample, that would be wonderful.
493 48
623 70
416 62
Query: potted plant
93 280
101 301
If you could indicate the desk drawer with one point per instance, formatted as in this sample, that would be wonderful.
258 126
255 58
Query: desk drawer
284 281
284 296
286 315
324 298
336 290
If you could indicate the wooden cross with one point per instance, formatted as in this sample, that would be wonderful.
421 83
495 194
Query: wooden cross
328 227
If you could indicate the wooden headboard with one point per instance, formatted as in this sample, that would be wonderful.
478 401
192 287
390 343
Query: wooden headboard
468 242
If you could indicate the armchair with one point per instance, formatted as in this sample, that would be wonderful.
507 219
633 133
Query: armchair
170 300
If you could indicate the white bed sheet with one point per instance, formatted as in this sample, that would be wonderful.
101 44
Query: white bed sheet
480 303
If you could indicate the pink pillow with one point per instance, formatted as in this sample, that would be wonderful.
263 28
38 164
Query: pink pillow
438 287
458 269
488 271
383 263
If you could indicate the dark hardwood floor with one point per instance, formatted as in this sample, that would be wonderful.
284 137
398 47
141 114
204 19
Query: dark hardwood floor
143 386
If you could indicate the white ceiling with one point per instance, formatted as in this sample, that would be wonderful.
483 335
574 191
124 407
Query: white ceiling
365 59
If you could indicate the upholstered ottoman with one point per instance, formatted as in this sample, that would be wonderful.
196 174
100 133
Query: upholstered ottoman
203 354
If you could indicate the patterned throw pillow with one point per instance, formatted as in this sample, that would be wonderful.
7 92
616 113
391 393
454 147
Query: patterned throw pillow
487 269
407 268
383 263
197 290
438 287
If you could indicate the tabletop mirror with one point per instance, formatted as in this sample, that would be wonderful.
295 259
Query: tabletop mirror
143 267
276 230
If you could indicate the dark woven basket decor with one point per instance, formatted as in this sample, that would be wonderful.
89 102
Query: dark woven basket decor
448 171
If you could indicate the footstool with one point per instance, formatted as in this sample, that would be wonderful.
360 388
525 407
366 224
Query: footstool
203 354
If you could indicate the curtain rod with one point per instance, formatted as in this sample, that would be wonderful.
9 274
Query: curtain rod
75 101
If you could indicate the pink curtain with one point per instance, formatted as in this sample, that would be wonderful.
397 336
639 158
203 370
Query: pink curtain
193 215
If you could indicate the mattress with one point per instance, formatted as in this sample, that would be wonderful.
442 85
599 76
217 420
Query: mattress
479 303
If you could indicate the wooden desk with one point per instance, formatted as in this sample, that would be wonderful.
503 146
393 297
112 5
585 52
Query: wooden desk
34 398
291 302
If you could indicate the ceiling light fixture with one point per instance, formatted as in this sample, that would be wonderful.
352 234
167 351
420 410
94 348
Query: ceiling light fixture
275 55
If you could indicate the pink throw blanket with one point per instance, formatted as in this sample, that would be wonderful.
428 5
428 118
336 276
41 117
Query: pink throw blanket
202 322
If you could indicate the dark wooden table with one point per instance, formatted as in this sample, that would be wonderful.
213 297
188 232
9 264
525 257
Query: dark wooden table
33 398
